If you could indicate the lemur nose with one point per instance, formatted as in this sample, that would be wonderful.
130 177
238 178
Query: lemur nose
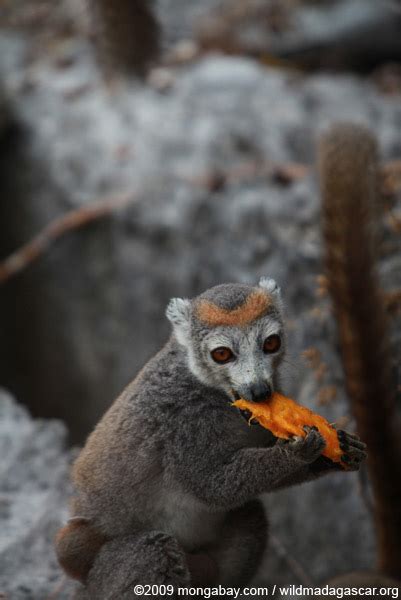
260 392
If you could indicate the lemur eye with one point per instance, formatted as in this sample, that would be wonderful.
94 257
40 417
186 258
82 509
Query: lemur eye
222 355
272 344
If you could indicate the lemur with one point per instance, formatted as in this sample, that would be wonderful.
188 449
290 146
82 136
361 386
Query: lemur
168 484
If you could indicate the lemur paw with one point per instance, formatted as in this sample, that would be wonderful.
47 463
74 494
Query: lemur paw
171 551
354 450
307 448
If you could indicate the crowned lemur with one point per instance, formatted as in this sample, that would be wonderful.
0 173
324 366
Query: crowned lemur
167 485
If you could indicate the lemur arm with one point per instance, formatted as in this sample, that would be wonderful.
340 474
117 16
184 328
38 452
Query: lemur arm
203 457
321 466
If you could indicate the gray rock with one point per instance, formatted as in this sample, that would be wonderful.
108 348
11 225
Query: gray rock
33 502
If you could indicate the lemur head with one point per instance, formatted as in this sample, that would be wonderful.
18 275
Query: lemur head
234 337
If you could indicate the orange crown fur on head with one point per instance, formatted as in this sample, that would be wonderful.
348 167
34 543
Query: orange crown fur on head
256 305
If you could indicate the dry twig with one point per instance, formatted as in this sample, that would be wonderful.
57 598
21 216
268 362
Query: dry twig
284 174
32 250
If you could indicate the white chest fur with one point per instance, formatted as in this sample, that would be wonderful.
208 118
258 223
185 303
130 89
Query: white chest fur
187 519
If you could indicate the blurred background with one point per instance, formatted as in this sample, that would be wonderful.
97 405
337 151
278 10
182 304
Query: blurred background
151 150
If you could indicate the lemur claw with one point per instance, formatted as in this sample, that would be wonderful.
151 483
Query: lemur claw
354 449
247 415
310 447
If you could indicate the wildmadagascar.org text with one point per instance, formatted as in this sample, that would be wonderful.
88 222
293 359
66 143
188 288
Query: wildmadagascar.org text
266 591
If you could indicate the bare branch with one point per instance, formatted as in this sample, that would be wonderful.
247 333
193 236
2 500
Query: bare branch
32 250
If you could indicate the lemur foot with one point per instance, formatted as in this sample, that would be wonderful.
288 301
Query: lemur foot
123 563
354 449
307 448
171 551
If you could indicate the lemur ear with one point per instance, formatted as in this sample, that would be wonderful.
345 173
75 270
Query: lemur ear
178 313
269 284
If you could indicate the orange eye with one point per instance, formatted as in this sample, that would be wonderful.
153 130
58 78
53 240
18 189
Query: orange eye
221 355
271 344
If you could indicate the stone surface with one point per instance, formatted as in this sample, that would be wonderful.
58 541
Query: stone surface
33 502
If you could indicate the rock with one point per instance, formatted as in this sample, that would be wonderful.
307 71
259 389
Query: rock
334 35
33 502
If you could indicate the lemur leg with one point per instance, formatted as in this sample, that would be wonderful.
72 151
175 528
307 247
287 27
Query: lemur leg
143 559
243 541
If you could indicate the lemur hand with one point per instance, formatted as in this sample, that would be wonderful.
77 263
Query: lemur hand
354 450
307 448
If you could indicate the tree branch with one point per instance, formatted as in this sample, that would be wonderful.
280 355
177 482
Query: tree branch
75 219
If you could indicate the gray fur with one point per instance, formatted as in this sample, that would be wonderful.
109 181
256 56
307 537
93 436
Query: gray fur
178 313
271 287
223 296
173 458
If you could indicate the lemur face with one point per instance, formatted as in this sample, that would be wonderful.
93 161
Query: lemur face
234 337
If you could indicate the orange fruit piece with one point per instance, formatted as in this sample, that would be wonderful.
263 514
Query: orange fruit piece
285 418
